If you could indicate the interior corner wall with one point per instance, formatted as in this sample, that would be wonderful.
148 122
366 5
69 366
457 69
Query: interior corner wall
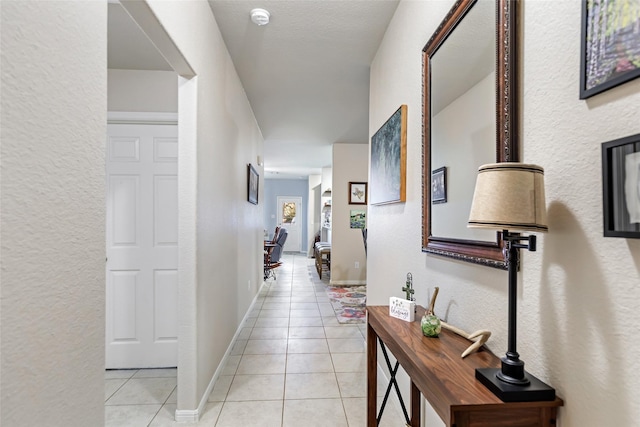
285 187
350 164
142 91
314 214
578 299
228 229
52 189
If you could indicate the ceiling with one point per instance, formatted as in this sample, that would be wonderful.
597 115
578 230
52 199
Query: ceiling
306 73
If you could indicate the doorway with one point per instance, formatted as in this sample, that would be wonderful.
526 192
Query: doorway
142 246
290 217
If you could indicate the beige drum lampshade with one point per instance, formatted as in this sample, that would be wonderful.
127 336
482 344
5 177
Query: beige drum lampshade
509 196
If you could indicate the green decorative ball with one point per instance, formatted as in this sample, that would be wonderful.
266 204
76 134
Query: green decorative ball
430 325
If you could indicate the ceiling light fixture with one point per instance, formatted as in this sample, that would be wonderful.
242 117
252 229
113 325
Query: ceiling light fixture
260 17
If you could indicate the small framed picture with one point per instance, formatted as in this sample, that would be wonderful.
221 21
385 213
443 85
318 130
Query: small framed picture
252 184
439 185
357 219
357 193
621 187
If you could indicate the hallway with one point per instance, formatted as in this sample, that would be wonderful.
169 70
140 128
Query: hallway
293 364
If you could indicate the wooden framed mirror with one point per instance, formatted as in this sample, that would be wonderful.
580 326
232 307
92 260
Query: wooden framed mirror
470 101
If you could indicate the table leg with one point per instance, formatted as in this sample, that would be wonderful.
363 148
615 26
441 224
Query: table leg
372 376
415 405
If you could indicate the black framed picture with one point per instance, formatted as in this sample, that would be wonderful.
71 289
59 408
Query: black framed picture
357 193
610 45
253 180
439 185
621 187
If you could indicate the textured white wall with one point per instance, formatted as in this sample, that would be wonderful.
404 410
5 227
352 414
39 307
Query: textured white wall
228 229
350 164
579 293
54 97
142 91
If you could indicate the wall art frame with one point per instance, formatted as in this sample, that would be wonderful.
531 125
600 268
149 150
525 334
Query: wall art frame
389 160
358 219
357 193
621 187
439 185
253 182
609 52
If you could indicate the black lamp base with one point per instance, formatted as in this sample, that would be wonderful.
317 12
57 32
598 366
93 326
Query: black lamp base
535 391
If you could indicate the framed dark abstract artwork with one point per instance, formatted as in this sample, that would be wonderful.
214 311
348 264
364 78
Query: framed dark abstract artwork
389 160
610 53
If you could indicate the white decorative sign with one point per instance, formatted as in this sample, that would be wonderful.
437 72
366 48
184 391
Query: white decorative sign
402 309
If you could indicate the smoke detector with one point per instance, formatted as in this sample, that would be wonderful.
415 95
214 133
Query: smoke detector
260 17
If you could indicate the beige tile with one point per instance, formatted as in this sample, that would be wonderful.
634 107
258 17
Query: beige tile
352 384
303 298
269 333
349 362
272 322
251 414
262 364
270 314
156 373
112 385
221 388
346 345
307 345
231 365
111 374
311 386
305 313
330 320
129 415
266 347
305 321
143 391
309 363
306 332
256 387
314 413
356 410
304 306
245 333
238 347
342 332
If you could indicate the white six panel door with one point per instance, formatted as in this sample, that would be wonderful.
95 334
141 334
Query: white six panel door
142 246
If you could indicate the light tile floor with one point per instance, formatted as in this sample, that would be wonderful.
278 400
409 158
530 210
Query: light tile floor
292 364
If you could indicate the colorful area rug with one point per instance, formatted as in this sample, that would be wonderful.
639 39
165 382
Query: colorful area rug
349 303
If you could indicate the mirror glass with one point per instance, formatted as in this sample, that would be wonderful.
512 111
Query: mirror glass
470 113
463 118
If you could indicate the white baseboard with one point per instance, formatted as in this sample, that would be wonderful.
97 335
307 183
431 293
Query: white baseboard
193 415
347 282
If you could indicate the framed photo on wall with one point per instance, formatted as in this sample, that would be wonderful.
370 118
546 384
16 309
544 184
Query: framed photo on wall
253 180
439 185
389 160
621 187
610 45
357 193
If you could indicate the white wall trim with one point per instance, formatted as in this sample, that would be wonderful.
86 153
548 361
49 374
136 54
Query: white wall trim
193 415
347 282
141 118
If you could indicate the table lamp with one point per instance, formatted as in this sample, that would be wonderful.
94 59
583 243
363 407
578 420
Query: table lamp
510 197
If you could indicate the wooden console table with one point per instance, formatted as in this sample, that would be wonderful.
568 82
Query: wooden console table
445 379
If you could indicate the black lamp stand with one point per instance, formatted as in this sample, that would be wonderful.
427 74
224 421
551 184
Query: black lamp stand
511 383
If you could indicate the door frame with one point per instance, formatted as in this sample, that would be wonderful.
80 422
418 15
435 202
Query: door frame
299 216
140 119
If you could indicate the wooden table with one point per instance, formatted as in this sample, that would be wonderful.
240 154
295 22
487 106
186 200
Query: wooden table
445 379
